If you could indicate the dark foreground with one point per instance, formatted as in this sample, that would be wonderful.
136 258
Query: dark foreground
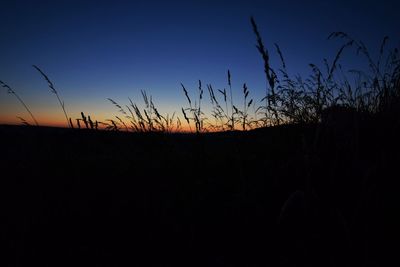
284 196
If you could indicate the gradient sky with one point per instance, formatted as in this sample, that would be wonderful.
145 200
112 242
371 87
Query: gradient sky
93 50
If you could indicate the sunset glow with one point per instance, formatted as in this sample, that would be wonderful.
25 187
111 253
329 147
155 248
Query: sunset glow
94 52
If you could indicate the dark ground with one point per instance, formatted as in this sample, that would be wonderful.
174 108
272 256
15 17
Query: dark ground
313 195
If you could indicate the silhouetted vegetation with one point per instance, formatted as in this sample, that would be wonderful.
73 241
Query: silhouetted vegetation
288 99
310 180
54 91
11 91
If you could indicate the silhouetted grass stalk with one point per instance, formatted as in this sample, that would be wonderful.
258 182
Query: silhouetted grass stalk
232 106
11 91
54 91
270 95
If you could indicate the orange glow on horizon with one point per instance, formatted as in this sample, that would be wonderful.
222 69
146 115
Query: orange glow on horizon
62 123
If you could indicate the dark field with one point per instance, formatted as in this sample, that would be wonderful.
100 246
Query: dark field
294 195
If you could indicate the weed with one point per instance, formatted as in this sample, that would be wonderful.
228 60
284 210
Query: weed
54 91
12 91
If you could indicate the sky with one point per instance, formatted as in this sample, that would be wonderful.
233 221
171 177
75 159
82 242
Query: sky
94 50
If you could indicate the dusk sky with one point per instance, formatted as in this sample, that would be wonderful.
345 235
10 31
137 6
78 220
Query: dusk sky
94 50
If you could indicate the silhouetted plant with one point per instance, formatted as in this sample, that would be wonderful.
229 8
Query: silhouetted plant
233 109
78 123
378 90
298 100
110 125
54 91
70 123
219 114
270 96
197 114
243 114
147 120
85 121
23 121
90 123
122 122
12 91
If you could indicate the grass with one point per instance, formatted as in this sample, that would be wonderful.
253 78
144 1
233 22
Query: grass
12 91
147 119
287 99
304 100
313 190
54 91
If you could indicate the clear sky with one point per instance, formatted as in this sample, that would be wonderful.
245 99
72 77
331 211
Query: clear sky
93 50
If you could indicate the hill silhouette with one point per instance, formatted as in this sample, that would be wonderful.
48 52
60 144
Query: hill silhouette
293 194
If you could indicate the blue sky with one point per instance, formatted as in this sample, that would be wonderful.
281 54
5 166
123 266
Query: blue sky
93 50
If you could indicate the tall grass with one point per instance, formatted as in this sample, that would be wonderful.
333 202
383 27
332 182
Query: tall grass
270 96
224 113
197 115
147 119
12 91
288 99
298 100
54 91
